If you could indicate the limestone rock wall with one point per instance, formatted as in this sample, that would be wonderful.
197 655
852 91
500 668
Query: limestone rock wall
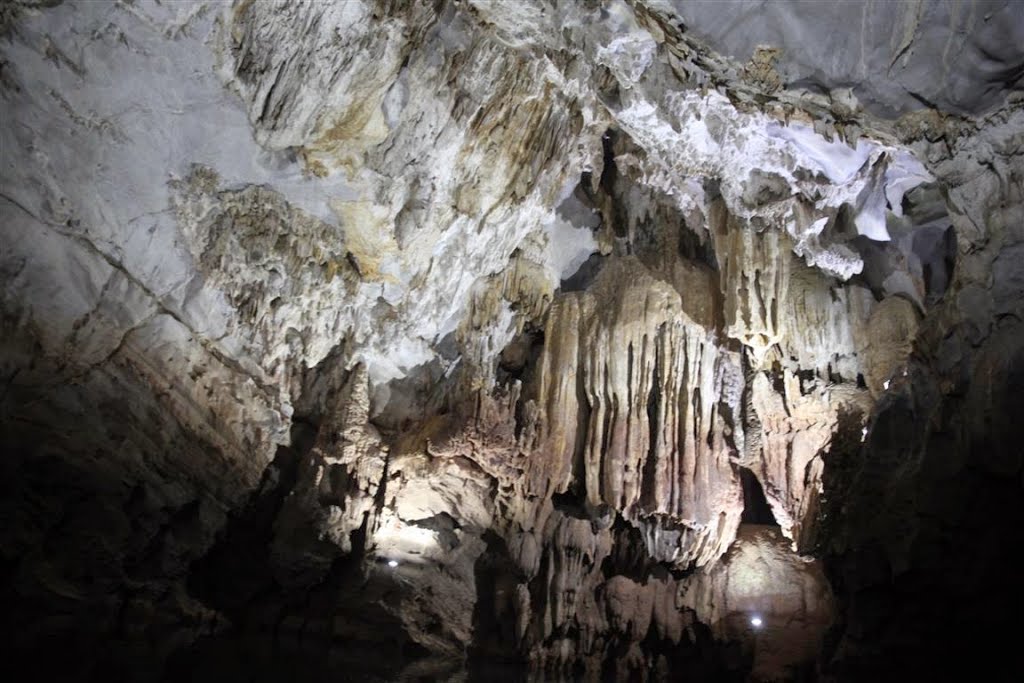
392 339
939 470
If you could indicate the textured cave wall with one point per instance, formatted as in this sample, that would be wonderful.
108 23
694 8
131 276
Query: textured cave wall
893 56
513 296
923 521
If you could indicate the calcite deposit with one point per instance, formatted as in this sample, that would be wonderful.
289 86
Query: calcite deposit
534 340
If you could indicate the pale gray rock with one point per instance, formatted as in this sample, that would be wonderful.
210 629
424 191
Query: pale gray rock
895 57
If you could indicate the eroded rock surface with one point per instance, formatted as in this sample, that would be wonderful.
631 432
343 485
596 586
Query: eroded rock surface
954 58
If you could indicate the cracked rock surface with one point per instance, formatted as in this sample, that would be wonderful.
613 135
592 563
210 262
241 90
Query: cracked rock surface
510 340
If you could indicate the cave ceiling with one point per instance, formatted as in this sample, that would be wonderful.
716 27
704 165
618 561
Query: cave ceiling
595 340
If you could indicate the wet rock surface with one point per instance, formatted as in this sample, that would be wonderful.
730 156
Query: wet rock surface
526 341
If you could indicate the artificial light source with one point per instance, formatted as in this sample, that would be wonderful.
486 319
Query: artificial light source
392 563
755 621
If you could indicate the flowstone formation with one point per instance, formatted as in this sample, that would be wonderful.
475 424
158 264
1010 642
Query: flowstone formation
509 340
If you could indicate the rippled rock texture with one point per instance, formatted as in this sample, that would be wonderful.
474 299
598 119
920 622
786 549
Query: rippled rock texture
536 340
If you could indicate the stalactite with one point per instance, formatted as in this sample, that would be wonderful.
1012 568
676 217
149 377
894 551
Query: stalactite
654 445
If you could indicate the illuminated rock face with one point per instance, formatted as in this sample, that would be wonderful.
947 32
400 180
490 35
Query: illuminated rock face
376 339
637 396
761 594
